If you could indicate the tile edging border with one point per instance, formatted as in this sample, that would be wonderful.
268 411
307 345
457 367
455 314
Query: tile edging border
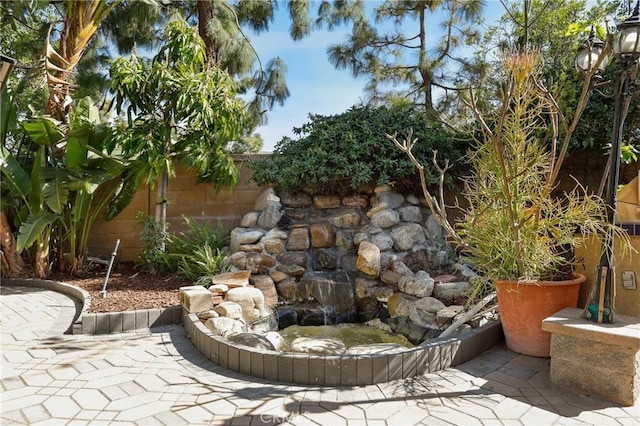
342 370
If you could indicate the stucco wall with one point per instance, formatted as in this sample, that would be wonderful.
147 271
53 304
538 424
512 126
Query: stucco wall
626 301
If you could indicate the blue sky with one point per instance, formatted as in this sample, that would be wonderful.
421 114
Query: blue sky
316 87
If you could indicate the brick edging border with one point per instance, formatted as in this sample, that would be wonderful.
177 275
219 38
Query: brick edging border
102 323
342 370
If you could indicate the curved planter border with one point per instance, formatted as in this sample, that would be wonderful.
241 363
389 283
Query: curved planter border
341 370
102 323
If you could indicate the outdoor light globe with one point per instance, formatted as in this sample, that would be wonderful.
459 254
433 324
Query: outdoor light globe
588 56
626 45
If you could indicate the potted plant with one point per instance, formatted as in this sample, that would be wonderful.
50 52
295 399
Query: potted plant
516 232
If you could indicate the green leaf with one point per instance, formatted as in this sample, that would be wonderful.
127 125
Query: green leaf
55 193
76 151
35 195
44 131
7 115
14 176
32 228
125 193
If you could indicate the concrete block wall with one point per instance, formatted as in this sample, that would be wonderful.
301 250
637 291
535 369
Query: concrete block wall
201 201
598 359
627 300
186 197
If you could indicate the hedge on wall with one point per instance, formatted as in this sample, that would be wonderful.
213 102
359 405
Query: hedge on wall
349 152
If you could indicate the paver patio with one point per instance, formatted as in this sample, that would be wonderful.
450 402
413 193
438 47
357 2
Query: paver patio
156 377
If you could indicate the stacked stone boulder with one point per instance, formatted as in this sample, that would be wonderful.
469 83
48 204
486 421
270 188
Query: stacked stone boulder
233 305
346 254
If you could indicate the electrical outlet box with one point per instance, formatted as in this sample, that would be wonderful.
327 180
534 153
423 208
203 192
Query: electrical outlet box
629 280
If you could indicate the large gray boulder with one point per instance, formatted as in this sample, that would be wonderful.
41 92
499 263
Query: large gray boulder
242 236
425 311
407 236
224 326
419 285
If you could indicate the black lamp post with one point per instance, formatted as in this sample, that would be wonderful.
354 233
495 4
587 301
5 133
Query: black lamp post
626 49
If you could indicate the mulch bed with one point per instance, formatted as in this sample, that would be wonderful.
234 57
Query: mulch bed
128 288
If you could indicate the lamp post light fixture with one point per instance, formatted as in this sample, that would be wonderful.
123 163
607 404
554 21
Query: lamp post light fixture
589 53
6 66
626 49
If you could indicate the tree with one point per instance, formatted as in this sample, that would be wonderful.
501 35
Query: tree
63 51
558 35
399 62
220 25
81 21
247 144
177 109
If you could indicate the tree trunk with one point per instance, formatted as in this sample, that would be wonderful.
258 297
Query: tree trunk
423 67
161 204
41 266
12 265
206 14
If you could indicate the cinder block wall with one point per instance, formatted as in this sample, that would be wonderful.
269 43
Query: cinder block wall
186 197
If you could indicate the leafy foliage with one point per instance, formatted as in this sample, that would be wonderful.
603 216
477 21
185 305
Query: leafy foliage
349 152
514 227
154 236
195 254
247 144
183 109
558 36
396 53
64 195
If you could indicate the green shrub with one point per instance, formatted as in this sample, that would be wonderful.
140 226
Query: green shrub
154 238
195 254
349 152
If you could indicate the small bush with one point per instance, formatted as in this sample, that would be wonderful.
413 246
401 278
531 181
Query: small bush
154 238
349 152
195 254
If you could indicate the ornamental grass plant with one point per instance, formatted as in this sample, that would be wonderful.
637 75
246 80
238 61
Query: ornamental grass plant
516 225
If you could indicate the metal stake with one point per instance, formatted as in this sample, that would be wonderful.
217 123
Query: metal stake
103 292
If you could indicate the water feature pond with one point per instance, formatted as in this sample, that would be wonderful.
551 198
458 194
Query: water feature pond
350 334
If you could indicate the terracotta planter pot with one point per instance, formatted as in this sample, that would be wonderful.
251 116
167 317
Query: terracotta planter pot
524 304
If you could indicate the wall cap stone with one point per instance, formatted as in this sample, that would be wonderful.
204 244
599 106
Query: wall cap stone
625 331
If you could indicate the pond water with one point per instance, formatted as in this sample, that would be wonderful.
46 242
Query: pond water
350 334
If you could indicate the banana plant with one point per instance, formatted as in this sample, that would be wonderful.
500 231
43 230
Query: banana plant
11 264
37 204
68 196
94 178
